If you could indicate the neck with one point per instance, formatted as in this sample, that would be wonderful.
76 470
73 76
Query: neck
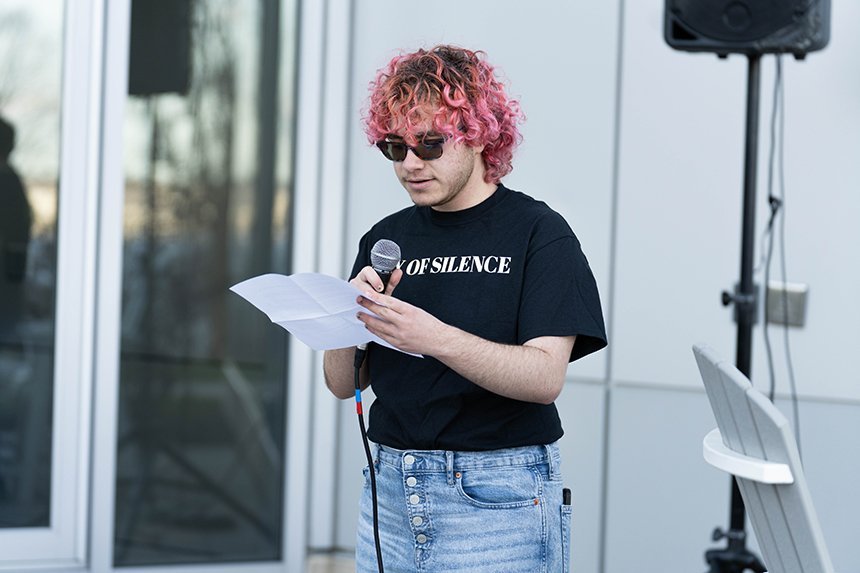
481 192
474 192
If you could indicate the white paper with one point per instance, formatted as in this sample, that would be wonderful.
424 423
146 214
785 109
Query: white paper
317 309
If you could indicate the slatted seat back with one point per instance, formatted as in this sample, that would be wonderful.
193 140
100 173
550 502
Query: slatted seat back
782 514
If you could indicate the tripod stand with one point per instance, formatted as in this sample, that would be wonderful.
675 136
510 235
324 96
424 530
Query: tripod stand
735 557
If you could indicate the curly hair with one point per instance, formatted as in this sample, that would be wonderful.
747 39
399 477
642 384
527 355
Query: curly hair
460 93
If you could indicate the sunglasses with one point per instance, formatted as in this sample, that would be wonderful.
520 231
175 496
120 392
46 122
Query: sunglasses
426 149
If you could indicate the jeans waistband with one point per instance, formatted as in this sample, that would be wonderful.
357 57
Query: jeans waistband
430 461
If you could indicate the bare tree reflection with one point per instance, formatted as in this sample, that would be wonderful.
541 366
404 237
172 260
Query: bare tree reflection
29 92
199 459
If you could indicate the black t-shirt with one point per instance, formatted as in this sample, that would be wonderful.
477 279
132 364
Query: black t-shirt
507 270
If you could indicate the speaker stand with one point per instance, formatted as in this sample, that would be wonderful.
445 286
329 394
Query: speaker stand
735 557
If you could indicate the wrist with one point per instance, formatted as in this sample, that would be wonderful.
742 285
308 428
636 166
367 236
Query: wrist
448 342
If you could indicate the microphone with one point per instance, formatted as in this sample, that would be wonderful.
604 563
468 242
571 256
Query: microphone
384 258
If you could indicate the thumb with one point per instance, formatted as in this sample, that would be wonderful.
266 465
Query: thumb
396 275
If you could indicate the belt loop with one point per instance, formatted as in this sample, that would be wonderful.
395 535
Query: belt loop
449 461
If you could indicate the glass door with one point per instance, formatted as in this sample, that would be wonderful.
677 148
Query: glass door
47 196
202 375
30 94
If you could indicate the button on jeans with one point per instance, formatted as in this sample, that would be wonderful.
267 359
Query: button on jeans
499 511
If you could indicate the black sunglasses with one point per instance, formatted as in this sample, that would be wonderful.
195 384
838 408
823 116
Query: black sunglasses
426 149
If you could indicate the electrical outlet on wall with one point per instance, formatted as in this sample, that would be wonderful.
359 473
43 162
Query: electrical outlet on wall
786 303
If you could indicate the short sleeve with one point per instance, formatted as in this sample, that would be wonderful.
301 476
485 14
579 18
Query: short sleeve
559 296
362 258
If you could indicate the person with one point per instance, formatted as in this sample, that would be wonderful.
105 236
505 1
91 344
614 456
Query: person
495 295
15 223
15 228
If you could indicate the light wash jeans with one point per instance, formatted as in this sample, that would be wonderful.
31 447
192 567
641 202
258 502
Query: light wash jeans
499 511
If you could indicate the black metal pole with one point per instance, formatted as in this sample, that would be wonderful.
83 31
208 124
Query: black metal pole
736 558
746 304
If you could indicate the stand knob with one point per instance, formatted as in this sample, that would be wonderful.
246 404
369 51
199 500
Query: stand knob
732 534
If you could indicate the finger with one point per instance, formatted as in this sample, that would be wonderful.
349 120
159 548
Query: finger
377 302
396 275
358 281
377 309
374 325
369 277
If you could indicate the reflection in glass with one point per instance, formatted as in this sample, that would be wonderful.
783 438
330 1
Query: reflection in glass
200 446
30 63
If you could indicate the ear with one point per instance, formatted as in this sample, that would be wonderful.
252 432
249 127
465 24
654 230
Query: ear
478 155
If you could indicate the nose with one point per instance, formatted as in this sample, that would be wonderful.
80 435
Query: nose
412 162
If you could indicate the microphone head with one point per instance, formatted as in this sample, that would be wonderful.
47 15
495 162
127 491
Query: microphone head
384 256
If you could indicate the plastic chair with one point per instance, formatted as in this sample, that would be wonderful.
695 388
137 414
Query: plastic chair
753 442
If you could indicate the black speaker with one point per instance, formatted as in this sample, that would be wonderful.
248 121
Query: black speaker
160 47
747 26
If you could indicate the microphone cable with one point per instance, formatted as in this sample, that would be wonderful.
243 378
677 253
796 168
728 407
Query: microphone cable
360 352
384 258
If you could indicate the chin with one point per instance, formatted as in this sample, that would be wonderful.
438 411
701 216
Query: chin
422 200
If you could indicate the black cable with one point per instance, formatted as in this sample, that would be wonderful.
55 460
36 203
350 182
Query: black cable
777 208
788 360
774 209
359 359
775 205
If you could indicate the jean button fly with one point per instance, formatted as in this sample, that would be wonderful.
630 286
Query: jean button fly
409 459
414 499
411 481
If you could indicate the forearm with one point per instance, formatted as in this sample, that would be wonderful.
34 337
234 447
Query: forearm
532 372
339 372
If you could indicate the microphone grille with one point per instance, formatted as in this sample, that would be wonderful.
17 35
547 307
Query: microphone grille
384 256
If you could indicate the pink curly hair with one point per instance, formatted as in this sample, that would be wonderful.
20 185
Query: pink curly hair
458 89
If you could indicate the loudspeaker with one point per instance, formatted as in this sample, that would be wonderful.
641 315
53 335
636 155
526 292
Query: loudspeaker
747 26
160 47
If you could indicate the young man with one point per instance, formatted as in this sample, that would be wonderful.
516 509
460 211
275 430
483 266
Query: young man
495 293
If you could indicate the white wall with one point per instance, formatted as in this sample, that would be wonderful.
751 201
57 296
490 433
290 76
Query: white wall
680 185
662 234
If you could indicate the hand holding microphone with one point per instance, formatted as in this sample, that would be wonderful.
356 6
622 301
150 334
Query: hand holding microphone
382 275
384 258
406 327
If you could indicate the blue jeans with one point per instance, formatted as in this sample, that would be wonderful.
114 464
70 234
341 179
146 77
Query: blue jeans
499 511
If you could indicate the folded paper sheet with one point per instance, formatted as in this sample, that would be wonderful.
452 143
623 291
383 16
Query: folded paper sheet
317 309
